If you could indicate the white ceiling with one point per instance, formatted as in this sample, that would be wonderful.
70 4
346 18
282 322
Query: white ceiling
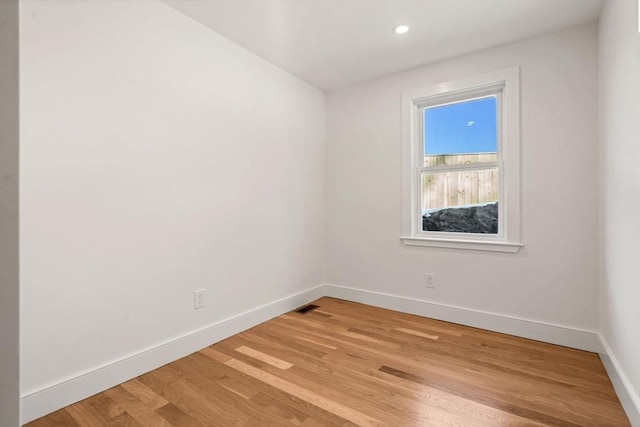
335 43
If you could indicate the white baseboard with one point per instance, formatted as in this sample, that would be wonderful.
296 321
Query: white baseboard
51 398
546 332
628 396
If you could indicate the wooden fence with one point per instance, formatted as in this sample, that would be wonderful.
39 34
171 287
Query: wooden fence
447 189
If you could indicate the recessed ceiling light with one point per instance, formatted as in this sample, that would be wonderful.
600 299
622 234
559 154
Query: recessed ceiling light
401 29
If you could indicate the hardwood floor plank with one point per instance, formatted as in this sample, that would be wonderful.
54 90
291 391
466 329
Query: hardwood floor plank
271 360
142 414
400 398
144 394
238 387
319 414
316 342
281 411
212 410
366 397
124 420
346 364
485 400
84 415
305 394
104 406
177 417
416 333
242 410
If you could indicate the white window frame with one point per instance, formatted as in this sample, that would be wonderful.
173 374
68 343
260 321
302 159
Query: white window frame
505 84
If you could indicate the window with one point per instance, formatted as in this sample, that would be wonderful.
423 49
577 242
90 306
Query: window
461 177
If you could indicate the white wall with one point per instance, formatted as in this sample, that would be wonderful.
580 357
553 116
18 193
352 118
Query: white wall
553 279
9 216
157 158
620 186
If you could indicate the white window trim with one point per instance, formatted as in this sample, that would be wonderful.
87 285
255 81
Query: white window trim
412 160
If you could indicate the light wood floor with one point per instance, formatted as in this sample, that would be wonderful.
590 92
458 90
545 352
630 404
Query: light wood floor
348 364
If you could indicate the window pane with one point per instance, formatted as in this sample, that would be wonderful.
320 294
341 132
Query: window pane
468 127
461 202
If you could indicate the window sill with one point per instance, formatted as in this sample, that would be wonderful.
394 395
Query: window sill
477 245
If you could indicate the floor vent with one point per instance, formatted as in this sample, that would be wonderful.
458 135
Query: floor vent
307 308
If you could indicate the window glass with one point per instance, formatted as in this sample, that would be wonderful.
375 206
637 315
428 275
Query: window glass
468 127
460 202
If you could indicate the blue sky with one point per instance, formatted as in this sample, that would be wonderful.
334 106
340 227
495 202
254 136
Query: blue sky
462 128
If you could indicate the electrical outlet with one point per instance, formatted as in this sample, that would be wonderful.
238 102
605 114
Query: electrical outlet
429 280
198 298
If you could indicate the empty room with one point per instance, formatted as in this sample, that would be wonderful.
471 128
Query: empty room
319 213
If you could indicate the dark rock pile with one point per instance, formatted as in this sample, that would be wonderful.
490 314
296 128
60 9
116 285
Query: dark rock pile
472 219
